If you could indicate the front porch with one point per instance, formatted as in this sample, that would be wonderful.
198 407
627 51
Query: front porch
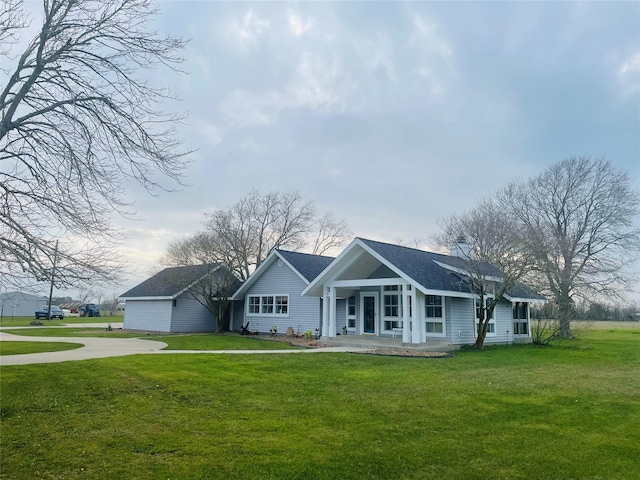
373 342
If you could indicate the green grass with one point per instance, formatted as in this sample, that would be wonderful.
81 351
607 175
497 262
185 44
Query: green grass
567 411
72 332
174 342
26 321
17 348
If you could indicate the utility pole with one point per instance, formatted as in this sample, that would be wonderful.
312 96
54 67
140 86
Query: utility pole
53 275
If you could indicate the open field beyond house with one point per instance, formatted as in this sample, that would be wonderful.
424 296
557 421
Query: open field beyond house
571 410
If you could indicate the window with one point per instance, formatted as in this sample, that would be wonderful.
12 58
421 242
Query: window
254 305
391 308
520 317
282 305
351 312
433 306
267 305
434 315
391 305
491 328
272 305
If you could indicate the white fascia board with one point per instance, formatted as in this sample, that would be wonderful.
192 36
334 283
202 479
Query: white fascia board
329 270
146 298
528 300
449 293
466 273
255 275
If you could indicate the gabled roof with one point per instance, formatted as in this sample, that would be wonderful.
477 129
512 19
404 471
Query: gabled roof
170 282
421 267
305 265
428 271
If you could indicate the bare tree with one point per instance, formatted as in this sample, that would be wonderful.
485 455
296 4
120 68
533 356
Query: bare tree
495 258
247 232
79 120
329 234
214 292
581 212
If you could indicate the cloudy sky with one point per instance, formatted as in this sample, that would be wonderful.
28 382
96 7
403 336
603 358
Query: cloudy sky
391 115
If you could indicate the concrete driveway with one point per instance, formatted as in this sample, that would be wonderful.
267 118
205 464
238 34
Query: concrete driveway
117 347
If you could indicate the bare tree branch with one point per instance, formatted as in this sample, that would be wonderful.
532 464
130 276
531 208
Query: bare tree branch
79 120
580 213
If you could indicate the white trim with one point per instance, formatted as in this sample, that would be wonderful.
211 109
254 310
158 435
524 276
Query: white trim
466 273
267 315
353 317
492 320
523 299
443 318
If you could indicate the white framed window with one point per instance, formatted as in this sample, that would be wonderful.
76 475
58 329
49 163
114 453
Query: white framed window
434 315
491 328
351 312
268 305
254 305
282 305
520 318
391 308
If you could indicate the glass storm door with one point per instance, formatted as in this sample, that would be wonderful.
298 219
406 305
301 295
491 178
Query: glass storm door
369 314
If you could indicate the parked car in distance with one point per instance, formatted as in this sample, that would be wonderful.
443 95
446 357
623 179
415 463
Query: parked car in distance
56 312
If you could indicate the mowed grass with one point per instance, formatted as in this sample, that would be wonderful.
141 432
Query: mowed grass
567 411
17 348
26 321
174 342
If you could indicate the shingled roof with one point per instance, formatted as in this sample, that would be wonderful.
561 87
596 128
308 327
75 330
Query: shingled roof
308 265
170 282
421 266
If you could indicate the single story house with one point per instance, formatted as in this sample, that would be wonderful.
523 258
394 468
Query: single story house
272 294
167 301
379 289
371 289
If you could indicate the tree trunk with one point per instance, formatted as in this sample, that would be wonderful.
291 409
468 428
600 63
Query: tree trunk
565 314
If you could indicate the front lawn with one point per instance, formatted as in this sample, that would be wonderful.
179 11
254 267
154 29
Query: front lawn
17 348
26 321
565 411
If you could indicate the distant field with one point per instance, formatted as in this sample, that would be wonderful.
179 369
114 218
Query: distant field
586 325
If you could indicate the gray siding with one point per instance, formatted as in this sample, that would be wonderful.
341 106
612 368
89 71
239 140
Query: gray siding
462 318
153 315
189 315
503 315
237 315
341 314
304 312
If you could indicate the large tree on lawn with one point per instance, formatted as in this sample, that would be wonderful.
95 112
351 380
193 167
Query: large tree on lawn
582 211
495 254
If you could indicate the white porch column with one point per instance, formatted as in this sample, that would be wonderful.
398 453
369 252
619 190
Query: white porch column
325 312
415 322
332 311
420 316
406 326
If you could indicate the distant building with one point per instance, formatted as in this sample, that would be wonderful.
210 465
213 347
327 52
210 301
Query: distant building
20 304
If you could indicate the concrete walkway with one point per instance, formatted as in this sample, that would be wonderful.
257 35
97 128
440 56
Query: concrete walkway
117 347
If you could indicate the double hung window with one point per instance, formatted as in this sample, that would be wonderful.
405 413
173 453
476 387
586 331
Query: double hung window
268 305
